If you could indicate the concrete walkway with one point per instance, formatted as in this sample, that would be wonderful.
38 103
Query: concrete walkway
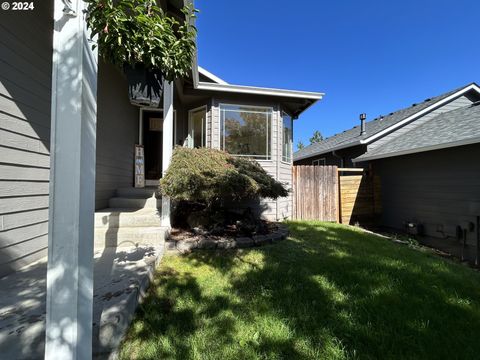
121 278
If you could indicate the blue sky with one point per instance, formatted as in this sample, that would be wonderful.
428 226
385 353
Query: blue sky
367 56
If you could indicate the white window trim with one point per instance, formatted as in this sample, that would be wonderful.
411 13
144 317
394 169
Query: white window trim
270 134
317 162
281 140
204 126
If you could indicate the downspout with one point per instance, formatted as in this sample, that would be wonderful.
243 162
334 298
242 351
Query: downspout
279 139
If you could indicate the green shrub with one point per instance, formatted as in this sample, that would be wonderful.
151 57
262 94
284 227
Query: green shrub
213 177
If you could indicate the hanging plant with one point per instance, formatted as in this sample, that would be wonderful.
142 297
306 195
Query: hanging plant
138 37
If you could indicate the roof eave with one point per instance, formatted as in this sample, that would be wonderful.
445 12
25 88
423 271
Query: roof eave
241 89
211 76
340 147
469 141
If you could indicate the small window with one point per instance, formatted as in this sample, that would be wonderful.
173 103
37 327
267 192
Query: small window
197 127
246 131
287 138
319 162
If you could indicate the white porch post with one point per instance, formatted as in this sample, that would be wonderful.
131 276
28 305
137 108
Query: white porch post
72 187
167 143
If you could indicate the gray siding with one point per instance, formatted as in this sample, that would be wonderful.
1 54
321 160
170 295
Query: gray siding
270 209
439 189
117 134
25 91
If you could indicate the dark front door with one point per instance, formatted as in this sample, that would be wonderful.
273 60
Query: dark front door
152 141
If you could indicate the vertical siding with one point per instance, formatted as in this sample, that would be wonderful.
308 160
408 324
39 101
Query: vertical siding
215 124
117 134
208 127
439 189
25 91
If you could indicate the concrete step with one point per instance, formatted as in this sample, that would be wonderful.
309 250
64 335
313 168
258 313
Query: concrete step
130 236
134 203
115 218
139 193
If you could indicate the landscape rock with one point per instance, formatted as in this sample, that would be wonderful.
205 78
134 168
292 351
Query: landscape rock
207 244
244 242
186 246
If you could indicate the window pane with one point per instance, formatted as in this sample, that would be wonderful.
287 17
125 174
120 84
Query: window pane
197 128
246 131
287 139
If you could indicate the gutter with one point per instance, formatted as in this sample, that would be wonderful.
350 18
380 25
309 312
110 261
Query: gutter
355 143
470 141
241 89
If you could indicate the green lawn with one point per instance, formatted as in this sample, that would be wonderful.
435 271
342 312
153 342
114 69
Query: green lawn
328 292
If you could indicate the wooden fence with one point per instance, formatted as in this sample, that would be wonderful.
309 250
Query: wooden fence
327 193
315 190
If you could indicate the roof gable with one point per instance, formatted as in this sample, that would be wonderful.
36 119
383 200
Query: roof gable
209 77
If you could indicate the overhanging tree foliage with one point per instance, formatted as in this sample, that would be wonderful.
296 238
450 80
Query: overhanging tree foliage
130 32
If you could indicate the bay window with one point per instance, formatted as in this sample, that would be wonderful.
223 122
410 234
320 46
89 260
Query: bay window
246 131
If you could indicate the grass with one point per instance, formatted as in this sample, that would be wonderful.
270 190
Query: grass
328 292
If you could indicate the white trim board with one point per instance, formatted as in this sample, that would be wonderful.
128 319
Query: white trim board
211 76
241 89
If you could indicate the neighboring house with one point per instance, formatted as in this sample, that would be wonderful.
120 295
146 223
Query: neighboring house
426 158
206 109
430 175
342 148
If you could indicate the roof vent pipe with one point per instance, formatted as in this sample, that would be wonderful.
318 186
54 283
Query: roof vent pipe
362 124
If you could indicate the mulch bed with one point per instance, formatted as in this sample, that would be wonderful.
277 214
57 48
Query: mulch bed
185 241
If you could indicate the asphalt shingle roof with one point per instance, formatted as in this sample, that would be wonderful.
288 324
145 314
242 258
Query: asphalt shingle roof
352 137
448 128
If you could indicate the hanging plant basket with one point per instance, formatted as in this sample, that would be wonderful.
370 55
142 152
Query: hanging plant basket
145 86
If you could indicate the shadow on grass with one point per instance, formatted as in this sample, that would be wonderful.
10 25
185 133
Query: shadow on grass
326 292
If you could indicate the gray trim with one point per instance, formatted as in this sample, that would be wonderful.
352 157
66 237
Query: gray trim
340 147
474 140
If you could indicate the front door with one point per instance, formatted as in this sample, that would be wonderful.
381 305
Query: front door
153 141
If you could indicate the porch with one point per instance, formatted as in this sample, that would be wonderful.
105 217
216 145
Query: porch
121 277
